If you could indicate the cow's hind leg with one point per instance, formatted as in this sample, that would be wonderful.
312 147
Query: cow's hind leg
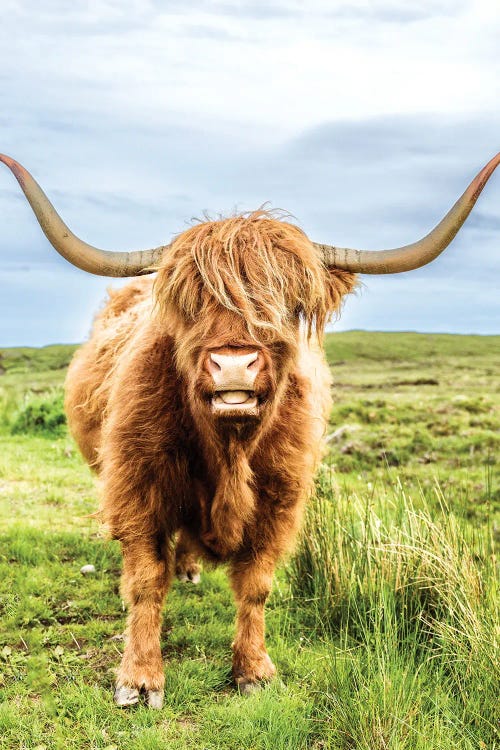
147 572
187 567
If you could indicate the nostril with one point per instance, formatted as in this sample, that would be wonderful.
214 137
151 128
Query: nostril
213 364
254 363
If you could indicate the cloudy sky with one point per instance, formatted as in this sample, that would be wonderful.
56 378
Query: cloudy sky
365 120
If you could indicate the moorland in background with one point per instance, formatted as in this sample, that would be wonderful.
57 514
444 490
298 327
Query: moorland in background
383 625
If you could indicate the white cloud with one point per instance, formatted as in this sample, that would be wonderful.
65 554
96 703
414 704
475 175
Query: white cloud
131 61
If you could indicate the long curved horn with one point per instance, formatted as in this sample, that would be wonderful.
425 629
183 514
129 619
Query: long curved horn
419 253
79 253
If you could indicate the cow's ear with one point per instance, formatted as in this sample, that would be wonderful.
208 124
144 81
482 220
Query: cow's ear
338 284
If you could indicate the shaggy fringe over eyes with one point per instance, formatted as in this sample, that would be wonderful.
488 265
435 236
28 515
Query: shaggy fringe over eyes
256 265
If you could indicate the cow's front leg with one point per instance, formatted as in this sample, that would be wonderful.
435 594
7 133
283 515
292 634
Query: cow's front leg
147 571
251 581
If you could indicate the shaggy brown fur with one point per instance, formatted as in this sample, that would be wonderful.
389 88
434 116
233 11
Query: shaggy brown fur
227 489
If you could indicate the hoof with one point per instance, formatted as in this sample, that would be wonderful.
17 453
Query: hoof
154 698
126 696
189 577
251 678
248 687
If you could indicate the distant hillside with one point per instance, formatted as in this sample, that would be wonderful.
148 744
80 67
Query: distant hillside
340 347
379 346
27 359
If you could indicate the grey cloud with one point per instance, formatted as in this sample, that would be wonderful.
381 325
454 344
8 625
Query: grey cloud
395 136
80 18
121 17
204 31
386 182
243 9
392 11
484 222
417 164
105 202
395 11
118 18
13 267
8 195
64 124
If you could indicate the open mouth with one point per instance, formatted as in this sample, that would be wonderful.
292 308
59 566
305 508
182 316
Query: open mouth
234 401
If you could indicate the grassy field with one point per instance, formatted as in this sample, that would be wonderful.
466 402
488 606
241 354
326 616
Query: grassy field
384 625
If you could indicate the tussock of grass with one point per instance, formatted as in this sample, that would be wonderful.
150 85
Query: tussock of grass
411 596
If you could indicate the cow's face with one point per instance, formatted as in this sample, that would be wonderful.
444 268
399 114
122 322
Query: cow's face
232 375
235 376
236 295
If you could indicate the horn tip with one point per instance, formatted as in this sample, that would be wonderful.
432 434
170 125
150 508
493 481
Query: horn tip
20 173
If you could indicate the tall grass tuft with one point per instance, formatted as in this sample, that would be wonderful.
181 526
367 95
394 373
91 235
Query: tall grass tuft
410 593
40 413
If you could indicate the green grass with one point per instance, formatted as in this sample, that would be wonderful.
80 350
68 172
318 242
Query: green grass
384 625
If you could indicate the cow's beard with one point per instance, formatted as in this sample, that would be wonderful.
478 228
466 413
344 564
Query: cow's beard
228 445
229 442
233 505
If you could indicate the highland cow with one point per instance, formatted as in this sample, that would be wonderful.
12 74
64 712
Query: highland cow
201 399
